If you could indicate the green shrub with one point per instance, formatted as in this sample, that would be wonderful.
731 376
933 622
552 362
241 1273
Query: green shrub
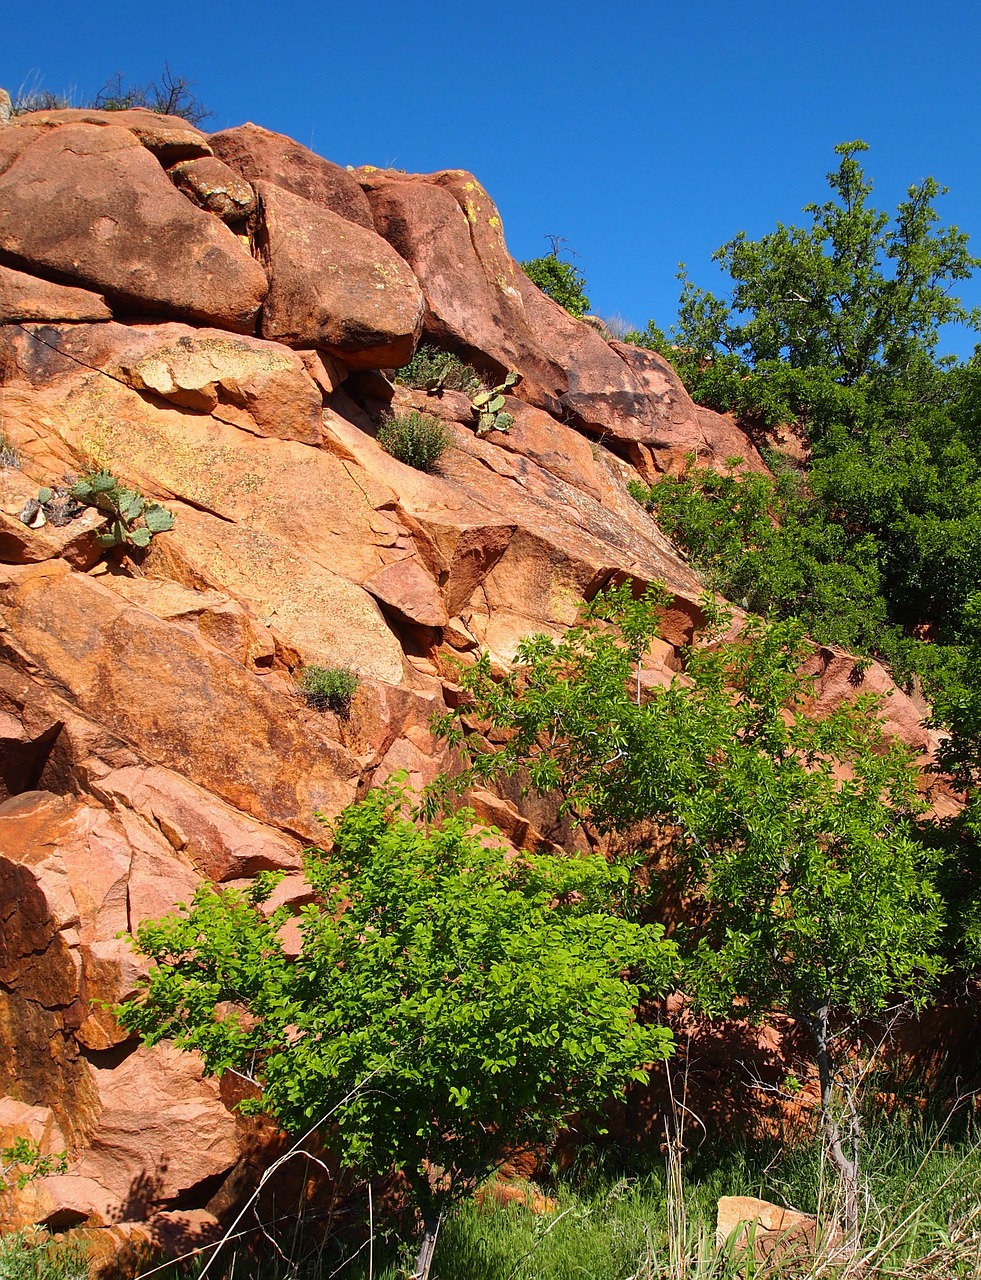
560 281
38 1257
417 439
9 457
431 369
328 688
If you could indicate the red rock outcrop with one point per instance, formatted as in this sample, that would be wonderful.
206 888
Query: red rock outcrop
210 184
24 297
170 138
151 733
88 205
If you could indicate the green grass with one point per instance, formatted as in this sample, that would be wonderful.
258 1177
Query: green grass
612 1218
37 1257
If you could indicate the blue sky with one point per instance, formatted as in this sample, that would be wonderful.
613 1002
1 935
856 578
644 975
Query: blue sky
643 133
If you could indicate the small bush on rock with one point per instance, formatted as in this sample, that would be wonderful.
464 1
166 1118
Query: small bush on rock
431 369
328 688
417 439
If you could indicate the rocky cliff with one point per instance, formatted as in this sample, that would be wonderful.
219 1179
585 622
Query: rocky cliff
207 317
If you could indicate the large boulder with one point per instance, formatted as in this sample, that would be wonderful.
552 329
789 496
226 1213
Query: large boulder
473 299
272 157
88 205
334 284
169 138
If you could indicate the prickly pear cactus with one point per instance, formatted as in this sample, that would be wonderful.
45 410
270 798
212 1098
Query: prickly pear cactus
489 407
124 507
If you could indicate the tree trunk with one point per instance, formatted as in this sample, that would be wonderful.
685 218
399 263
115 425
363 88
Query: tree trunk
432 1220
845 1161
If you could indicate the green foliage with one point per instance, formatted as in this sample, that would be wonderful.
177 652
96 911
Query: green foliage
328 688
956 697
814 891
767 544
133 520
856 292
489 405
34 1256
560 281
22 1162
9 455
448 1004
835 327
417 439
432 369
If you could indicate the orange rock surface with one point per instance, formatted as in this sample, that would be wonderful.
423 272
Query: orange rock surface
151 733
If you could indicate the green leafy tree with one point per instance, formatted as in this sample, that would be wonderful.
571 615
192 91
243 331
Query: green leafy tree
957 709
448 1006
559 280
855 292
835 326
22 1162
809 891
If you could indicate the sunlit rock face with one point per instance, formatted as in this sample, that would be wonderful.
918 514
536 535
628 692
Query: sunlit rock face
211 321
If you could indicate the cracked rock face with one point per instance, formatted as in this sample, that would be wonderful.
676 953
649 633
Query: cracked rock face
151 732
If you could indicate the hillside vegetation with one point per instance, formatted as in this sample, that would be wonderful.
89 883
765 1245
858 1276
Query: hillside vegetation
386 801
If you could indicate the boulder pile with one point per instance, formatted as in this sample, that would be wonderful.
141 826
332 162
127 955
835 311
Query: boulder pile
211 319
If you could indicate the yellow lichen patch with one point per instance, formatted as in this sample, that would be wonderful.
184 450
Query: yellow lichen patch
494 221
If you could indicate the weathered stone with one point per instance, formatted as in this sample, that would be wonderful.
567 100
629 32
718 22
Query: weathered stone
770 1231
334 284
169 138
178 699
26 298
154 1103
6 107
473 300
214 187
259 154
217 840
224 622
410 591
89 205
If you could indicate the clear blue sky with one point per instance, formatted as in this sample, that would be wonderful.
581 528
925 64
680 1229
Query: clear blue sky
643 132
